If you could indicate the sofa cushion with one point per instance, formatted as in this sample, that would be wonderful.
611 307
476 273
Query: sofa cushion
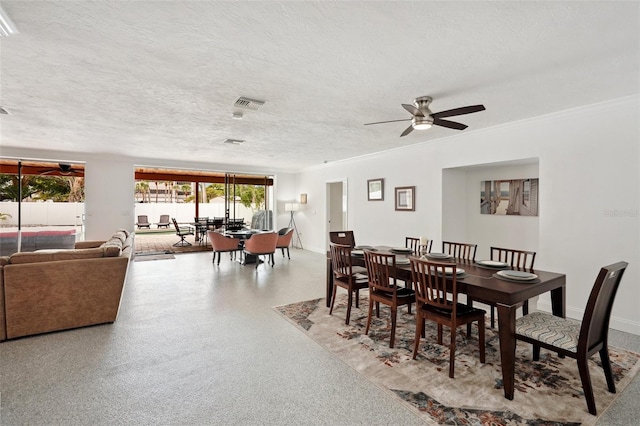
120 235
4 260
79 254
30 257
111 251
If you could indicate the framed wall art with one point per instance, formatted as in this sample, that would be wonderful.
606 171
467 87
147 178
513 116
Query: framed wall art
375 189
405 198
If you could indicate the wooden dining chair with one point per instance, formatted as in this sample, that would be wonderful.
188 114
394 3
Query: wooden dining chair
461 251
413 243
344 276
223 244
383 288
437 300
575 339
342 237
517 259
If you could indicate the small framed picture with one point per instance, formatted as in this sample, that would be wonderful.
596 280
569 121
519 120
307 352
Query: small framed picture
405 198
375 189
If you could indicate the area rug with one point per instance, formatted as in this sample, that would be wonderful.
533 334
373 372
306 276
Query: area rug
547 392
161 256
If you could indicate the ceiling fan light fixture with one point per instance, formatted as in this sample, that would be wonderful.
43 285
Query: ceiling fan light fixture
422 126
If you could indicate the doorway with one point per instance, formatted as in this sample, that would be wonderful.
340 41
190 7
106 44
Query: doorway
337 207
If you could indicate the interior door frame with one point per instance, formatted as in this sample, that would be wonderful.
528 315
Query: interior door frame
345 206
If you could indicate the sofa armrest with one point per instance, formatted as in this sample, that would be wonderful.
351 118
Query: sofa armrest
88 244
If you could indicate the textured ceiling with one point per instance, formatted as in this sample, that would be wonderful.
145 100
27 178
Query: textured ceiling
159 79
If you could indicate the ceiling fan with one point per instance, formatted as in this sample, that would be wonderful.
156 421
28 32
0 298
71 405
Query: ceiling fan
423 118
64 170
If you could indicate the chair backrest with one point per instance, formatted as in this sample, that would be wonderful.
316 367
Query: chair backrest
164 218
341 261
284 237
202 220
175 223
463 251
413 243
143 219
381 271
342 237
518 259
261 243
595 322
221 243
431 280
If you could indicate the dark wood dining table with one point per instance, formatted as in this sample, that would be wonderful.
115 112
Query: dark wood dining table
480 284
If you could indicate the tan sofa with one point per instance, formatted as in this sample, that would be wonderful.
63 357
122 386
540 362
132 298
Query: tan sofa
53 290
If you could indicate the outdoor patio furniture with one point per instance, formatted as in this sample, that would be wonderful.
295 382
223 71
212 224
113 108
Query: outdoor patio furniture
164 221
143 222
182 233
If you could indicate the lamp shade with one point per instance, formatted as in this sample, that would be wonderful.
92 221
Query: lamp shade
291 207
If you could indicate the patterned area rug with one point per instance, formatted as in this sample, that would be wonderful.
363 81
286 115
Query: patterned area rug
547 392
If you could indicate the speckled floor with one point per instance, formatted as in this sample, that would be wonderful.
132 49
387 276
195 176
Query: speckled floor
198 344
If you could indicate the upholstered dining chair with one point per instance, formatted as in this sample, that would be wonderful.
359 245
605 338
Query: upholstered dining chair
462 251
223 244
262 244
284 240
344 276
383 288
342 237
575 339
435 302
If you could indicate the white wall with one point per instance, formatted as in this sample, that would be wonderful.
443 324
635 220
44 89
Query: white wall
589 171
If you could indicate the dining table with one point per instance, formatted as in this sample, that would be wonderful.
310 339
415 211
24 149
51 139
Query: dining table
482 284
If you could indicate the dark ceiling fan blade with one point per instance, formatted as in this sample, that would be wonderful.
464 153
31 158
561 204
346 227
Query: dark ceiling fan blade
390 121
413 110
449 124
407 131
458 111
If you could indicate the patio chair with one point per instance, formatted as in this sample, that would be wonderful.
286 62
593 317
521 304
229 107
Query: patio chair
182 233
143 222
164 221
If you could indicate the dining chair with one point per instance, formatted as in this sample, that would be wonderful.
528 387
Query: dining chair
383 288
517 259
413 243
143 222
223 244
262 244
437 300
182 233
342 237
284 240
579 339
461 251
344 275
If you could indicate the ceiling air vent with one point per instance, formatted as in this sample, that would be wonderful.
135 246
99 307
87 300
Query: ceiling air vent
234 141
247 103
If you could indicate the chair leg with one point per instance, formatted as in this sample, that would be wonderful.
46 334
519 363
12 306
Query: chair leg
606 366
394 313
333 298
452 351
350 301
536 352
439 334
525 307
585 378
419 332
282 249
357 298
366 331
288 255
493 317
481 339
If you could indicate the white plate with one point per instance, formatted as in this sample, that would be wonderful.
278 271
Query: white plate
402 261
438 255
517 275
357 252
448 270
492 263
401 249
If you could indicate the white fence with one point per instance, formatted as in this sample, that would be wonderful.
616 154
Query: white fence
185 212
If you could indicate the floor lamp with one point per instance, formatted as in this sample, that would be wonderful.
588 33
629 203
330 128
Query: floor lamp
293 207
